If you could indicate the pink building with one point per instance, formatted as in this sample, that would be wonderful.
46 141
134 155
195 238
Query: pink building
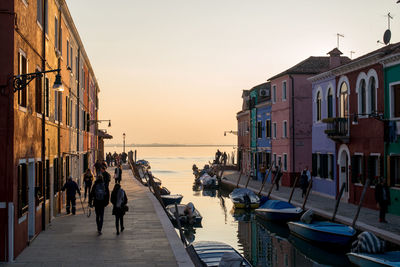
292 114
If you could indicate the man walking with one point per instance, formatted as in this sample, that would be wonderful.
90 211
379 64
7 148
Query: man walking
72 188
382 197
88 180
278 175
118 174
99 198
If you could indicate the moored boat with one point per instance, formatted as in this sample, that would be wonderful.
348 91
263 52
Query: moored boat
197 218
244 198
324 232
213 253
385 259
277 210
171 199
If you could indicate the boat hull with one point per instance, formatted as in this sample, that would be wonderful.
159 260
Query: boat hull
282 215
171 199
239 205
171 214
329 234
375 260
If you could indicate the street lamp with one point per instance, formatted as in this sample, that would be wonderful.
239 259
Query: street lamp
94 121
124 140
21 81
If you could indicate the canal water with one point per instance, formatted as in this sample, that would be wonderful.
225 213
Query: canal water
262 243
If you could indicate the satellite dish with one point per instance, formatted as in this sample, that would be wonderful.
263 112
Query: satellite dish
386 37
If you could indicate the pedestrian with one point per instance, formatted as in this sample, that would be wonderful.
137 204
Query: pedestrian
99 198
97 167
263 171
278 175
118 174
106 177
119 201
88 180
72 188
382 197
108 159
303 182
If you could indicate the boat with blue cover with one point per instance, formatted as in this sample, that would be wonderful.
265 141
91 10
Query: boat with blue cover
244 198
277 210
213 253
171 199
386 259
323 232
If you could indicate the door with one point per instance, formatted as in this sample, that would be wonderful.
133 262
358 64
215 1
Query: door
344 175
31 199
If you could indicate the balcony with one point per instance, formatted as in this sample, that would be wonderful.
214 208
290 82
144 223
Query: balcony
337 129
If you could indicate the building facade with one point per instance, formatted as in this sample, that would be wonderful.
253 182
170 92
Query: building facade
43 131
243 118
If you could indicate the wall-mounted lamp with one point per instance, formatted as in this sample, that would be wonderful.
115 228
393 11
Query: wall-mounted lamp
231 132
21 81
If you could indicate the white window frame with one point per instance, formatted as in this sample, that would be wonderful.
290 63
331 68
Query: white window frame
372 73
284 129
274 131
391 88
284 90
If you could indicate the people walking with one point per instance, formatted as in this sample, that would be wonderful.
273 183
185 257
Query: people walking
382 197
278 174
119 201
106 177
88 180
97 166
99 198
118 174
303 182
72 188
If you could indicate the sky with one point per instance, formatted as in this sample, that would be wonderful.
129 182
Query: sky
173 71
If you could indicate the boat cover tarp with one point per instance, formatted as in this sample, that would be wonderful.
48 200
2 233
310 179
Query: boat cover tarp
330 227
277 205
206 179
239 194
368 242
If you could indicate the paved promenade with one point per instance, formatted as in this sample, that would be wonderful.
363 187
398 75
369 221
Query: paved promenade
149 238
324 206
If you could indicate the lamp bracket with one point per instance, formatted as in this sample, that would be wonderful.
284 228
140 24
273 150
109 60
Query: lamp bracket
22 80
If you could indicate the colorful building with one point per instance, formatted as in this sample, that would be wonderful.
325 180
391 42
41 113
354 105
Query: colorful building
42 130
243 118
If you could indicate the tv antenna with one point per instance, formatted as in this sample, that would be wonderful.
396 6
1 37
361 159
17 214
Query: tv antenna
388 34
338 35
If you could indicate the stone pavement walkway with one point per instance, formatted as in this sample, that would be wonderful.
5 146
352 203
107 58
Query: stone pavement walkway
149 238
324 206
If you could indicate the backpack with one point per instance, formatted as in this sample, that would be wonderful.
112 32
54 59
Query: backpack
100 192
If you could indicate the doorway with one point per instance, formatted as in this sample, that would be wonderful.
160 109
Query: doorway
31 200
344 173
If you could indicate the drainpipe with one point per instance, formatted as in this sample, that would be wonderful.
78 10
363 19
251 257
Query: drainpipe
44 118
79 112
293 123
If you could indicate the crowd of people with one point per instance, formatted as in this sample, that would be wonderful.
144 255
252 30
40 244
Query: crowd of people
98 193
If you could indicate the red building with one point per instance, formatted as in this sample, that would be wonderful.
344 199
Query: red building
243 118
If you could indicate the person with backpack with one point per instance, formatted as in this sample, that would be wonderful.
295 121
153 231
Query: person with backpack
72 188
119 201
118 174
88 180
99 198
106 177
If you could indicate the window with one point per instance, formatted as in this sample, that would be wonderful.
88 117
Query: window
40 18
71 54
76 116
330 104
274 130
372 91
357 169
331 165
373 167
22 189
38 181
396 101
362 96
268 128
279 161
56 183
319 164
67 110
343 101
274 94
60 42
284 129
319 106
47 97
38 94
60 103
394 172
284 91
259 129
47 172
285 162
22 69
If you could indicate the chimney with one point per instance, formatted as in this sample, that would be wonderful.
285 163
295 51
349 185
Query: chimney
334 58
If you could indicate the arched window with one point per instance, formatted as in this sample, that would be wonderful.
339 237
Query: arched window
343 101
372 92
330 104
319 106
362 94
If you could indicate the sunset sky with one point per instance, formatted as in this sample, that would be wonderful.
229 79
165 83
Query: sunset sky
172 71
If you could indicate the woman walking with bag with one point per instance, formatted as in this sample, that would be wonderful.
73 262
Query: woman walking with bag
119 201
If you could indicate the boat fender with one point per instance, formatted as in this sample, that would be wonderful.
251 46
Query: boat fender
307 217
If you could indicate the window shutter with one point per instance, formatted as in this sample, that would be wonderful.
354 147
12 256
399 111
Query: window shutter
325 166
314 164
371 167
354 169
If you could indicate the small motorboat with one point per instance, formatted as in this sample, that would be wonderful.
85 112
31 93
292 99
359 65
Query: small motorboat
207 181
324 232
164 191
183 218
171 199
277 210
385 259
244 198
213 253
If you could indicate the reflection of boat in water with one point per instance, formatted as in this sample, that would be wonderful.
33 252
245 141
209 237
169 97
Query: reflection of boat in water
324 232
213 253
273 228
242 215
277 210
208 192
386 259
244 198
317 254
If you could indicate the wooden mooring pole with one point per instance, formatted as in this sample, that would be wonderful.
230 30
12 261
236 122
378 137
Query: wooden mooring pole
240 175
338 201
294 187
367 182
307 194
178 223
272 185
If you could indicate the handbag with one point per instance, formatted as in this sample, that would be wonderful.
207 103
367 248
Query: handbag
126 208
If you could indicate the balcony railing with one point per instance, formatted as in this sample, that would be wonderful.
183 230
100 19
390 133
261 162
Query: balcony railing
337 129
